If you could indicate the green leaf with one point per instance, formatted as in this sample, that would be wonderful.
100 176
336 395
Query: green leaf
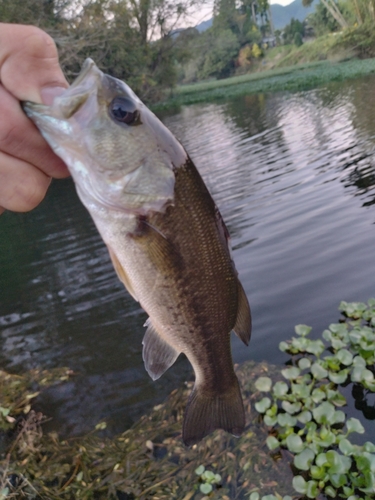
4 492
304 417
302 330
317 472
346 447
304 363
291 407
254 496
345 357
284 346
318 371
316 347
354 425
4 411
263 405
312 489
280 389
338 417
291 373
338 480
370 447
299 484
321 460
302 391
338 378
208 476
337 398
359 361
286 420
304 459
217 478
270 421
205 488
263 384
199 470
330 492
272 443
324 413
339 464
294 443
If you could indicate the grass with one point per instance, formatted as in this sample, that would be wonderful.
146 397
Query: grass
302 76
146 461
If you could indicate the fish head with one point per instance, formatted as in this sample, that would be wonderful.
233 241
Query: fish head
120 155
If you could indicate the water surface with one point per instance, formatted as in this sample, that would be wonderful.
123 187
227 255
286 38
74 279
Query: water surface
294 178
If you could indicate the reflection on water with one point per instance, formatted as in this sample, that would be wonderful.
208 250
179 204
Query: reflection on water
294 177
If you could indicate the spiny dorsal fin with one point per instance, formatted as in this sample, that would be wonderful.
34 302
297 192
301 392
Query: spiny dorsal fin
205 413
242 328
121 273
157 354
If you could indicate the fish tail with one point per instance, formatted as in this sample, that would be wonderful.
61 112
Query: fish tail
206 412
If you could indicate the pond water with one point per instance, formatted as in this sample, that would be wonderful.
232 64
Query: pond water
294 178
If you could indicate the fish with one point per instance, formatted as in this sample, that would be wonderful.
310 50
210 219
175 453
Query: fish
165 235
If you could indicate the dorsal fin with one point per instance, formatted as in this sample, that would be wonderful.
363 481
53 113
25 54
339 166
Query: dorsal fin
242 328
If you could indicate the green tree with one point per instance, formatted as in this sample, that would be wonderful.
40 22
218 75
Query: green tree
292 29
219 60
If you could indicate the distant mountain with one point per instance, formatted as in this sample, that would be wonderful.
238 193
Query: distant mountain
282 15
204 25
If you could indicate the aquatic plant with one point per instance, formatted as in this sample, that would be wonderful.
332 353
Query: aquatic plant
302 410
208 479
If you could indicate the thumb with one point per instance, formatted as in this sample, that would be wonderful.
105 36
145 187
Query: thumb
29 64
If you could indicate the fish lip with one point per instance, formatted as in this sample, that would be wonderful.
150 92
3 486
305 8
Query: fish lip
86 69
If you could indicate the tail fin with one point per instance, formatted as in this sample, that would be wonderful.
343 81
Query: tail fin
205 413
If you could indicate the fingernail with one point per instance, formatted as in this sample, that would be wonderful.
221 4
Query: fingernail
48 94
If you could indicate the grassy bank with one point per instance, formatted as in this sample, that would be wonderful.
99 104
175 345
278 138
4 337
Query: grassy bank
292 78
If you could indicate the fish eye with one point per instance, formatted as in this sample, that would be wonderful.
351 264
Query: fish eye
123 110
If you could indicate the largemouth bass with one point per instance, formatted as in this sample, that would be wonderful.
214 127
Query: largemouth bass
165 235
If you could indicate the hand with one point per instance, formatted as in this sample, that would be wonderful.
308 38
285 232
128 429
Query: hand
29 70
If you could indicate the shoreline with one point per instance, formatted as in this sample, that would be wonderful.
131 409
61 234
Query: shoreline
292 78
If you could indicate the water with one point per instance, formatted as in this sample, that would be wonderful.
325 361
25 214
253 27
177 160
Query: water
294 178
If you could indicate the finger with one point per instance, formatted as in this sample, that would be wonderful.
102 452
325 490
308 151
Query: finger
28 62
22 186
20 138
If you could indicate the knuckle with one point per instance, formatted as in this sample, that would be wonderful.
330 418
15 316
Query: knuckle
33 192
39 44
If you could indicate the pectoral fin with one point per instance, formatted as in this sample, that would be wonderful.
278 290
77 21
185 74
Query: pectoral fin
242 328
121 273
157 354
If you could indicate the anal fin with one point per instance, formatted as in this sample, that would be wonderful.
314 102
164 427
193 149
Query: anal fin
157 354
242 328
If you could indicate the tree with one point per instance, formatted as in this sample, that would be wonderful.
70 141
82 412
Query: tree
219 60
333 8
292 29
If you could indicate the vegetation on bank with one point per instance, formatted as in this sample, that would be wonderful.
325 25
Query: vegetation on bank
293 78
296 443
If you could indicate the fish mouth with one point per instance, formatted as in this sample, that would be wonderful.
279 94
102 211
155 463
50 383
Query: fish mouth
87 67
73 98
